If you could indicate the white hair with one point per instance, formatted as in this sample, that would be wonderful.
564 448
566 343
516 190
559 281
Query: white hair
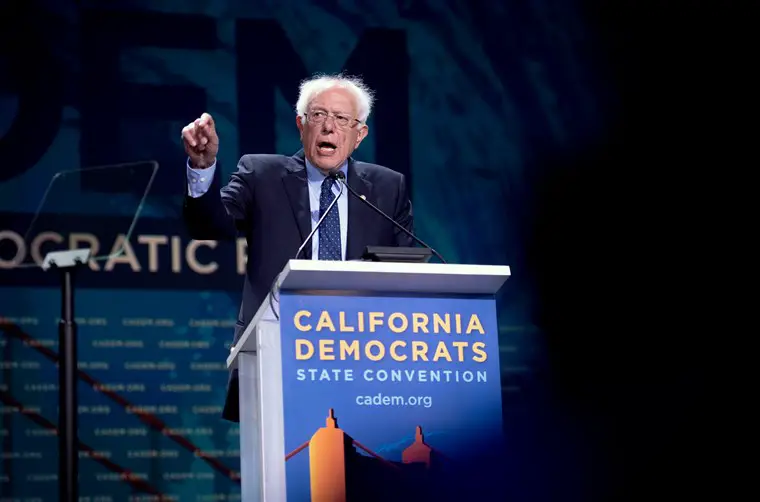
310 88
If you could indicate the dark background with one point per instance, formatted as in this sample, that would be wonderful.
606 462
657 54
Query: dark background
604 127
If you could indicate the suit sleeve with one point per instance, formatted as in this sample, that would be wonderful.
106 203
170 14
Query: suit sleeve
404 215
220 213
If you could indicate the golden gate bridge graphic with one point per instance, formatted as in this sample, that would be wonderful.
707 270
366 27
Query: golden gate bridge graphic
339 473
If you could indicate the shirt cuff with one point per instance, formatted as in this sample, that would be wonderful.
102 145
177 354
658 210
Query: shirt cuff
199 180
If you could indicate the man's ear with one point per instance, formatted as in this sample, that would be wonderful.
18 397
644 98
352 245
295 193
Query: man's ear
299 125
363 132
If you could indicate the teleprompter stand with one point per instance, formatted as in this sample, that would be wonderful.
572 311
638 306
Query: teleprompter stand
105 201
67 263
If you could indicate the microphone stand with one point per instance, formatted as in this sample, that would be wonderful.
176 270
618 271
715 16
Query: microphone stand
334 176
342 178
327 211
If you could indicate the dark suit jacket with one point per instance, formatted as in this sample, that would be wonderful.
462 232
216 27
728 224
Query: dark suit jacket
267 201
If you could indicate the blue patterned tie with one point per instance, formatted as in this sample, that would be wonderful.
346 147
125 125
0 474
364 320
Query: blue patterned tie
329 231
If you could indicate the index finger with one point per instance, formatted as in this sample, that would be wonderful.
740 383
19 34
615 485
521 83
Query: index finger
206 120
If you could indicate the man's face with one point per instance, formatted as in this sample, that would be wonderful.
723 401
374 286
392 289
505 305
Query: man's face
331 132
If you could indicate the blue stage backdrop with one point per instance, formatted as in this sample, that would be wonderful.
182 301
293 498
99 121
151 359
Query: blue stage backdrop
470 98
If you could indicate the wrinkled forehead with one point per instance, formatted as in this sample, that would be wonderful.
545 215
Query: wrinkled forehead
335 99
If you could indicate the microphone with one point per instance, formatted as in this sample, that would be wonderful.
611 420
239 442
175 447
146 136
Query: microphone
342 178
333 176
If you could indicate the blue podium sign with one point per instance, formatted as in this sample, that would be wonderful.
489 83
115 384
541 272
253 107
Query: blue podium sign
389 397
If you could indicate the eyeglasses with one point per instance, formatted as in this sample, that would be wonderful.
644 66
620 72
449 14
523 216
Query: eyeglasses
318 117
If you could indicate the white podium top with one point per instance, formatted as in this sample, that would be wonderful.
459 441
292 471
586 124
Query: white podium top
311 276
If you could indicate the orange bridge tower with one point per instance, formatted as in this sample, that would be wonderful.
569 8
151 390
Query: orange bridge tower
327 462
418 451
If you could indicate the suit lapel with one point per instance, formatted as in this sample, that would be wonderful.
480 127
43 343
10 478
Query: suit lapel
297 189
358 231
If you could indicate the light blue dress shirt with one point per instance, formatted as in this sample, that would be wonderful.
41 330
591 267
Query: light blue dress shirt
199 181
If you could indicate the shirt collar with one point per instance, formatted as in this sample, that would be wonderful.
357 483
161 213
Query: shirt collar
314 174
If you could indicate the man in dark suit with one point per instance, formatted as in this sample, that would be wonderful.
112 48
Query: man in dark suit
275 200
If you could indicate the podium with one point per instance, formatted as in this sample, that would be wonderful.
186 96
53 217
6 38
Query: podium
370 381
